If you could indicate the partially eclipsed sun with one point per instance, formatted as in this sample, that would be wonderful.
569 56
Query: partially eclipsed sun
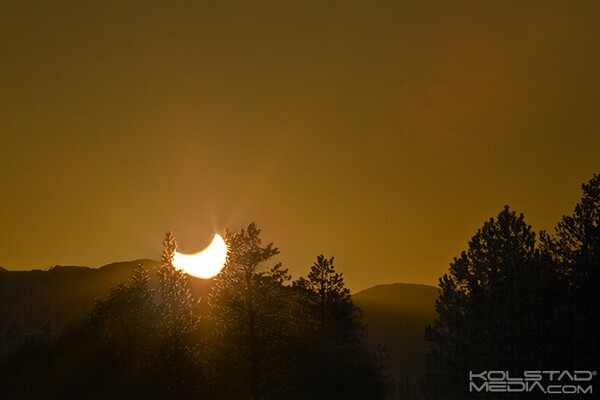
206 263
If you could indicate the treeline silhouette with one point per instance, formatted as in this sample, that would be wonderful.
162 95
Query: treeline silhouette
516 301
512 301
256 335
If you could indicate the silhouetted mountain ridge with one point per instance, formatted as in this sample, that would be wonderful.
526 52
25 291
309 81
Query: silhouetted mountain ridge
60 268
31 299
42 302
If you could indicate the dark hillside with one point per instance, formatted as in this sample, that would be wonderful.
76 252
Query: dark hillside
396 315
41 302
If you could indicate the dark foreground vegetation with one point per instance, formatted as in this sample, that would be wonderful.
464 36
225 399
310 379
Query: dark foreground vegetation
513 301
516 301
256 335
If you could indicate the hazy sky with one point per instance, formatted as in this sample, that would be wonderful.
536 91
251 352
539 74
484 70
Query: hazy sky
383 133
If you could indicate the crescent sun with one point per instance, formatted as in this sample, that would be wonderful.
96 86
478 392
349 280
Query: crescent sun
206 263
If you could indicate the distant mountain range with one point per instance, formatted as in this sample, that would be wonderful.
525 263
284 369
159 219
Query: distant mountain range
42 302
34 302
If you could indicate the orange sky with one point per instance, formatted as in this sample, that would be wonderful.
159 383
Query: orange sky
383 133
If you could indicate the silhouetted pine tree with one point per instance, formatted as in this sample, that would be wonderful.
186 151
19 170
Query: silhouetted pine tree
177 362
124 319
249 306
329 304
332 354
177 306
491 309
576 253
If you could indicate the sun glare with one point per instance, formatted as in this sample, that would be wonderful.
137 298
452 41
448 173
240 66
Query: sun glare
206 263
